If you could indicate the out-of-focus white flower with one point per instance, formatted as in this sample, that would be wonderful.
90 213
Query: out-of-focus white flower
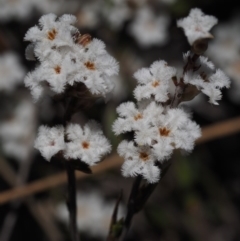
138 161
17 132
24 9
208 79
154 81
88 15
19 9
53 6
50 141
11 71
223 51
116 13
87 144
148 29
197 25
227 39
93 213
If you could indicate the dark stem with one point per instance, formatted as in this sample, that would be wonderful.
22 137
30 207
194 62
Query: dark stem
131 207
138 198
71 202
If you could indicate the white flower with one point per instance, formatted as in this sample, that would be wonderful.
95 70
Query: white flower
197 25
95 67
55 70
87 144
93 213
132 118
149 30
176 130
50 141
208 79
169 131
11 71
67 58
51 34
154 81
138 161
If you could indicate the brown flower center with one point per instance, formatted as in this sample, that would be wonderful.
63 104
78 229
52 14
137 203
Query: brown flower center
85 145
144 156
164 131
138 117
155 83
90 65
52 143
52 34
57 69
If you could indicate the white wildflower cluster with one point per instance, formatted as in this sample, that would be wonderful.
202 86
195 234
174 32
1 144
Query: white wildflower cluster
197 25
158 128
207 79
17 131
67 58
93 213
87 144
11 71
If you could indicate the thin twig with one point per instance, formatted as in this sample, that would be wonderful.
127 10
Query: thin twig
55 180
11 218
39 212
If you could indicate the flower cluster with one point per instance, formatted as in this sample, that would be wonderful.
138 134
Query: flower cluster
87 144
158 129
67 58
159 126
207 78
